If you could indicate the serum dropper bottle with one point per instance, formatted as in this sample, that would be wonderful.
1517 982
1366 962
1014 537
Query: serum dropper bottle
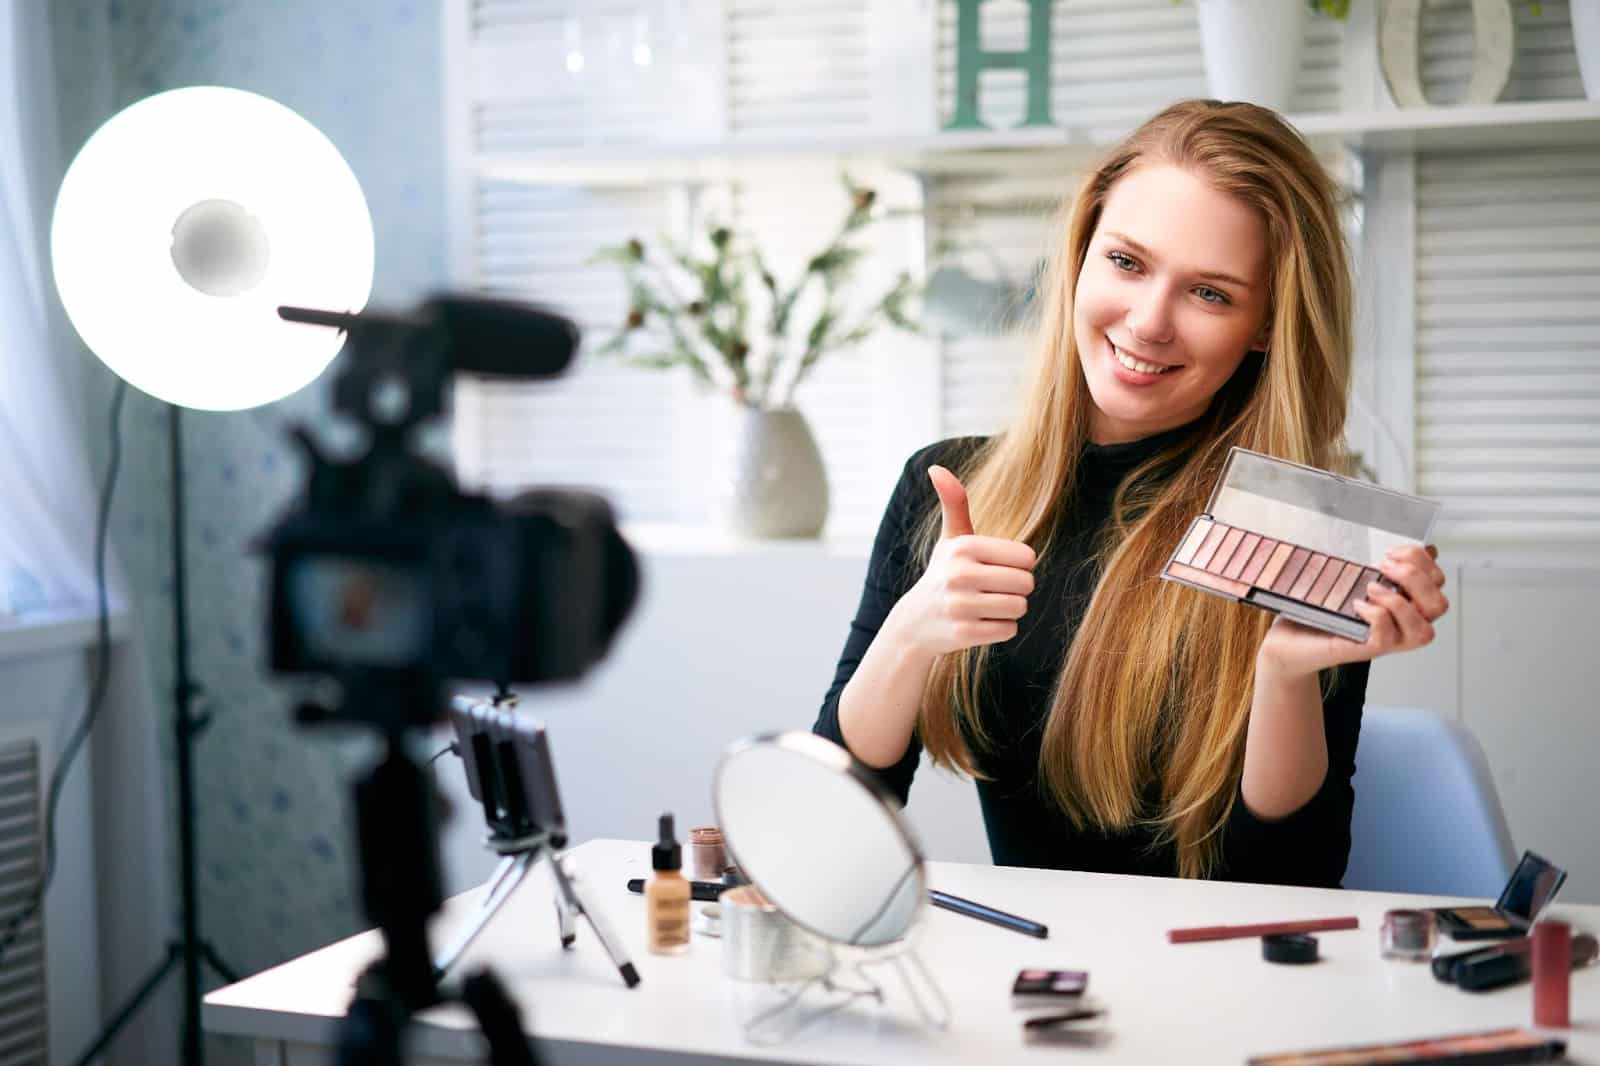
666 897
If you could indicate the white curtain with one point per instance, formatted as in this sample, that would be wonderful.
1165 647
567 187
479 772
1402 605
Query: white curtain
48 505
47 521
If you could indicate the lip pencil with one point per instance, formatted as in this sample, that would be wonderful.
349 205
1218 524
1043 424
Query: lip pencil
1225 932
987 914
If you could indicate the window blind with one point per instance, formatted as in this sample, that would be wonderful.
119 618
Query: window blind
1507 305
996 230
1508 343
1545 66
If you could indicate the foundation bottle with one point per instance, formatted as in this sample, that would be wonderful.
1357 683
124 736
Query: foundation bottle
666 896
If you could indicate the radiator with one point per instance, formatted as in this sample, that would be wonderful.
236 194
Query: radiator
24 1028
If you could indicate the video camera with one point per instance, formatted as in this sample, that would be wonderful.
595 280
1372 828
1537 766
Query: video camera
388 578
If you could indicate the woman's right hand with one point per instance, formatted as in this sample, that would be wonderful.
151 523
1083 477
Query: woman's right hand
974 589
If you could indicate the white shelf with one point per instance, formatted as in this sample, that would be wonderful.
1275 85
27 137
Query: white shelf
1505 125
666 538
1535 124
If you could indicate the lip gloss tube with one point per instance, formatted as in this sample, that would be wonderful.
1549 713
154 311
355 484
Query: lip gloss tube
1552 973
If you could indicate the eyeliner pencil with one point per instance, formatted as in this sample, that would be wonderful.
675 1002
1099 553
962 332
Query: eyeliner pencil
987 914
1225 932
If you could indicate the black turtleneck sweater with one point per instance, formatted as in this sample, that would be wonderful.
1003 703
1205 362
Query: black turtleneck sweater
1308 847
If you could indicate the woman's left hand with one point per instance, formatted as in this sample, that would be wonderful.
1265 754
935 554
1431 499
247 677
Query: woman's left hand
1399 619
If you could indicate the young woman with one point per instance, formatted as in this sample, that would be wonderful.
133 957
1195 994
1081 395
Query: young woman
1014 624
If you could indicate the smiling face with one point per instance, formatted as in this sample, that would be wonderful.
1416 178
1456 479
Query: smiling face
1172 293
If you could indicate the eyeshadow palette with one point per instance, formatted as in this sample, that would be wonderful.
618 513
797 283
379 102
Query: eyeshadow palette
1296 540
1531 887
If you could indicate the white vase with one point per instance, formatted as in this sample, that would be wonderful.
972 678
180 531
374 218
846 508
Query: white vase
1586 39
771 482
1252 49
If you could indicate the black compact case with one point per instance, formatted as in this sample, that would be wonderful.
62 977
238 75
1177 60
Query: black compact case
1533 884
1482 969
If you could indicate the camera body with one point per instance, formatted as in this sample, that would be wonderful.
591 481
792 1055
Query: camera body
387 577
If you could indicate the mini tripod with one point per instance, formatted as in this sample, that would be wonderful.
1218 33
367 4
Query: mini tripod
509 771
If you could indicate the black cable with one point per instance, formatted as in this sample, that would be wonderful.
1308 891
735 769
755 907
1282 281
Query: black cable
446 750
97 693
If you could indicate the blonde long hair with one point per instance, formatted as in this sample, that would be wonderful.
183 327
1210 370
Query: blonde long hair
1144 645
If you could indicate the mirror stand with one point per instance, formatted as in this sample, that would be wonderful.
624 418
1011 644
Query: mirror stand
775 1023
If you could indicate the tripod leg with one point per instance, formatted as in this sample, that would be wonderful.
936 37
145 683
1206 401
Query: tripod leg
129 1009
566 921
492 885
226 972
570 887
486 912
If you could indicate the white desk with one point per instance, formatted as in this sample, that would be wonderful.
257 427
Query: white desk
1195 1003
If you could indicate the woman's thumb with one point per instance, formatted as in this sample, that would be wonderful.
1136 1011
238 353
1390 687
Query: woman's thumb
955 518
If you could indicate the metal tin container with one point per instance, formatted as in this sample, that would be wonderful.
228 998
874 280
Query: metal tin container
760 944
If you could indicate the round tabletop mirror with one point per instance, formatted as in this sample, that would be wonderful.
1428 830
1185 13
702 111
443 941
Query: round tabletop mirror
819 837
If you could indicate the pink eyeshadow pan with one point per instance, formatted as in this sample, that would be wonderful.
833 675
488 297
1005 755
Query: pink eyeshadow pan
1291 570
1208 579
1247 549
1330 574
1230 543
1275 561
1302 584
1341 588
1258 561
1209 547
1366 578
1191 544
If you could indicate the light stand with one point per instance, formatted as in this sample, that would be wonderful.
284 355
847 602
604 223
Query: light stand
181 226
190 950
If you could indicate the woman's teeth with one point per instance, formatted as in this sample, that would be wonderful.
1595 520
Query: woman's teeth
1138 364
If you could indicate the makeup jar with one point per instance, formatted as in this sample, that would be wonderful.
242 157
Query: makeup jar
760 944
707 856
1407 934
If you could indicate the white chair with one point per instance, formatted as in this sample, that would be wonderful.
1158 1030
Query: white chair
1427 816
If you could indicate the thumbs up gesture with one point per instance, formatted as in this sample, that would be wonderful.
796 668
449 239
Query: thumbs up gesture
974 589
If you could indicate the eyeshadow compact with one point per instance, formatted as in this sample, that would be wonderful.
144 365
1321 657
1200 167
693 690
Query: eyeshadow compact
1296 540
1533 884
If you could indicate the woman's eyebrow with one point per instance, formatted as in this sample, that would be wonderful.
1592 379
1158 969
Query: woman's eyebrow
1215 275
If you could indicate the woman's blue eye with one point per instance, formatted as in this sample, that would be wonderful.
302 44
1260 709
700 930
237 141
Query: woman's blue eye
1120 261
1221 298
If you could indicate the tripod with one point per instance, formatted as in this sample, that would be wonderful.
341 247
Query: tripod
190 949
509 770
518 858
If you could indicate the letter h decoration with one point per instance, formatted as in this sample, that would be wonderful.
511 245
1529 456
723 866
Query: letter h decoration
1033 61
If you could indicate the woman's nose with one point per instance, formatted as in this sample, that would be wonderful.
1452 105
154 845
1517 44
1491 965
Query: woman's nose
1150 319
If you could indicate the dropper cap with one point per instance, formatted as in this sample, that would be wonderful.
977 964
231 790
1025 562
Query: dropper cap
667 854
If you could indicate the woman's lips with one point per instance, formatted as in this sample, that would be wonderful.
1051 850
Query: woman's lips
1133 376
